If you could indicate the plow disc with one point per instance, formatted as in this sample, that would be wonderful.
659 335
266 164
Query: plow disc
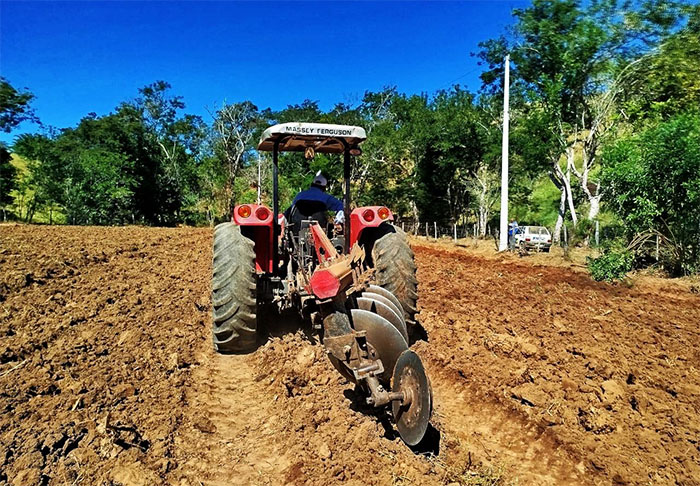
412 414
382 309
385 301
386 340
376 289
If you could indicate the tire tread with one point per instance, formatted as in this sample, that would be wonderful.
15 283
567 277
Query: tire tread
234 302
395 270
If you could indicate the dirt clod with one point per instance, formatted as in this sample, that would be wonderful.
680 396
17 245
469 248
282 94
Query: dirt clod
203 424
324 451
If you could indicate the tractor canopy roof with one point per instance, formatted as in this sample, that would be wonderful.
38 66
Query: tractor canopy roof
323 137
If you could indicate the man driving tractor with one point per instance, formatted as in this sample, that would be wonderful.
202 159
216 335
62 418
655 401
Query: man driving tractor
314 203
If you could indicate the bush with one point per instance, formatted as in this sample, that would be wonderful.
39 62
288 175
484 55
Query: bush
612 265
654 184
583 233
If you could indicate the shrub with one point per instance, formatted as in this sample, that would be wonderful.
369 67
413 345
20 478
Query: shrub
654 184
610 266
583 233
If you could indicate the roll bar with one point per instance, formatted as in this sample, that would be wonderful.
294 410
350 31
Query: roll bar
323 138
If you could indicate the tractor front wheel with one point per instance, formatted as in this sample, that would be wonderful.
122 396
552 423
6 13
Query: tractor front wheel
234 297
395 270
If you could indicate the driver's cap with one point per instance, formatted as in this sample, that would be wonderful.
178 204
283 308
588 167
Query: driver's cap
319 180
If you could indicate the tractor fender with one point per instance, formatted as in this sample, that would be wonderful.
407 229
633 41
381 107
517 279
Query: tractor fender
367 217
256 222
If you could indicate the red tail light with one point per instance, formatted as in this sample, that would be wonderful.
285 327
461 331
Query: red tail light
262 213
244 211
368 215
527 239
383 213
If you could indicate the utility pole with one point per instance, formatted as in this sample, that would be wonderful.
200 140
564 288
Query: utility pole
503 240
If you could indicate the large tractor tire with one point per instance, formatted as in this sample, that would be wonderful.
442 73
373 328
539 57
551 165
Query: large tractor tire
395 270
234 295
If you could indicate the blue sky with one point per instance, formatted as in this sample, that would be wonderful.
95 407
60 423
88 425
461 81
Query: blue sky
82 57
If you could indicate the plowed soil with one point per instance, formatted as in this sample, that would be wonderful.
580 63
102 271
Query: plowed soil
540 376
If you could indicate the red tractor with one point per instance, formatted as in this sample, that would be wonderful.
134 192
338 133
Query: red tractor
357 285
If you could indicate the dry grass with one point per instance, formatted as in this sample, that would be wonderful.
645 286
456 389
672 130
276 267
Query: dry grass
486 476
459 468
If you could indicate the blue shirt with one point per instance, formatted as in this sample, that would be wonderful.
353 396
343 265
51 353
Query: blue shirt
316 194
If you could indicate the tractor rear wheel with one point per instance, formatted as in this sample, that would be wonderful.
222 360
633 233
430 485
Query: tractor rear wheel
234 295
395 270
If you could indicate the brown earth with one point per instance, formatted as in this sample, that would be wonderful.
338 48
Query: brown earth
541 376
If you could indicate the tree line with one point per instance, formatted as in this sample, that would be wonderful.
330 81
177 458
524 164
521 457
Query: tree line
604 127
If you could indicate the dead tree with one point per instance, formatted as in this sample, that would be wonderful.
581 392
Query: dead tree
484 186
234 126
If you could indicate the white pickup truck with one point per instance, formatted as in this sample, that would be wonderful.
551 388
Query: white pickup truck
533 237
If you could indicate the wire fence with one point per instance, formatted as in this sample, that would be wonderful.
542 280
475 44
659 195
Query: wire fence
598 235
433 230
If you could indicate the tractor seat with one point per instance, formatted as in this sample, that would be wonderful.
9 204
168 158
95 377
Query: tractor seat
303 211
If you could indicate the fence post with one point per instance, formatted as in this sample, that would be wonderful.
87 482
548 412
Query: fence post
657 248
402 227
597 233
454 227
427 235
566 237
435 227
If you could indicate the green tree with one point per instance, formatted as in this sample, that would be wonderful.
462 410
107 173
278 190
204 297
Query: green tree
171 144
213 198
667 81
654 181
385 173
8 182
569 63
87 170
153 146
14 106
454 152
99 187
43 185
